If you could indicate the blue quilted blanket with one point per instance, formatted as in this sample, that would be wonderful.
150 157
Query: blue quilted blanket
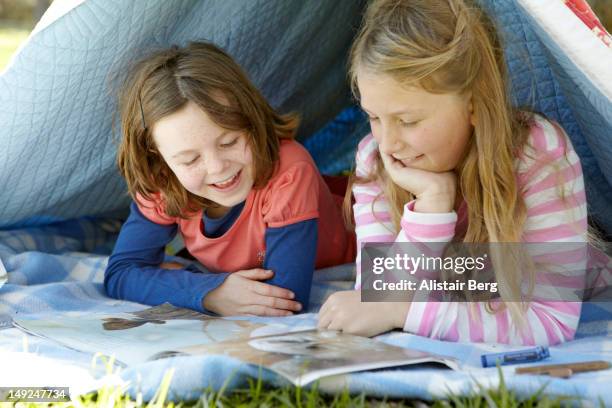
60 268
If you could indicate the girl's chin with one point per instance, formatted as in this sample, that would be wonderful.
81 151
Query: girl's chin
411 162
230 202
225 200
232 198
425 165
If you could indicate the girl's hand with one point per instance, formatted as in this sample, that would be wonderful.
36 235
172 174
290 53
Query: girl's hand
242 294
434 192
344 311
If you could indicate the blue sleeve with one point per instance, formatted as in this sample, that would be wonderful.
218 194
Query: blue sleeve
133 271
290 252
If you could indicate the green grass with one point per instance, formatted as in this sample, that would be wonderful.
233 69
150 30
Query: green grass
603 11
300 398
11 35
259 395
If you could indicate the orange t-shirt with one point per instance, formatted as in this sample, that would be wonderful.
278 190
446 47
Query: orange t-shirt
296 192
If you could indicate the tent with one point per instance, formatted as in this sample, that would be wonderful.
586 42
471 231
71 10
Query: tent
58 144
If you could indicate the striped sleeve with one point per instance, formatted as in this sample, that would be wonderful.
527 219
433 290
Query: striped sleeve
550 177
373 216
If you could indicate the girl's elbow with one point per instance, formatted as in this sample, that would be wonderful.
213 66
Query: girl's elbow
112 277
110 280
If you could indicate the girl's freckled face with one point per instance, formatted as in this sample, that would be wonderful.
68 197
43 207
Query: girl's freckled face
421 129
209 161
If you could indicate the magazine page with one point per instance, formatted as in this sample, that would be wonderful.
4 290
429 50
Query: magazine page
303 357
137 337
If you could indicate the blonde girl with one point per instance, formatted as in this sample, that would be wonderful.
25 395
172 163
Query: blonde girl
450 160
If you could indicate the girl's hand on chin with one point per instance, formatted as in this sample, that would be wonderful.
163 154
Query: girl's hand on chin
344 311
434 192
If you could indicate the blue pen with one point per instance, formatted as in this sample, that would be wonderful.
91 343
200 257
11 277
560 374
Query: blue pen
515 357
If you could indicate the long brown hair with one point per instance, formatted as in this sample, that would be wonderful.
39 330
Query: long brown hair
161 84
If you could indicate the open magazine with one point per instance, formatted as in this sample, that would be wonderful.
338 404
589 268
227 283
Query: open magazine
298 353
305 356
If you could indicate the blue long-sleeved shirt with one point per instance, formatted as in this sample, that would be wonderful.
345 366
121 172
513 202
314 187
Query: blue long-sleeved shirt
133 271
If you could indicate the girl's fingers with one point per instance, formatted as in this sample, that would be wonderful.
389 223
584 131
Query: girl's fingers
265 289
256 274
334 325
327 322
324 320
278 303
261 310
386 159
266 299
391 163
323 309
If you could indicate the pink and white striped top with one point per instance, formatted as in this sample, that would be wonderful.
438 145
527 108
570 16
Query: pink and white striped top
548 162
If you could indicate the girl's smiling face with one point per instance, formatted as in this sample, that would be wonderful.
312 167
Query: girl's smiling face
418 128
209 161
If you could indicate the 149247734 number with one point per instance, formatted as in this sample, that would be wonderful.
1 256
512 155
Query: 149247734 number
34 394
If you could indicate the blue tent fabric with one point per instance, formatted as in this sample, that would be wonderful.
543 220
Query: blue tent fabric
57 99
542 79
333 147
565 94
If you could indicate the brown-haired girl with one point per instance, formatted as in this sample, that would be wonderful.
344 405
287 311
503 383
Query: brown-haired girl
206 156
450 160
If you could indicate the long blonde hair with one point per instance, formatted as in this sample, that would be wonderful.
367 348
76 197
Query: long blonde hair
451 46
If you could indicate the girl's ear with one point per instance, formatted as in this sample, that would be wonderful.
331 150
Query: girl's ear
471 111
